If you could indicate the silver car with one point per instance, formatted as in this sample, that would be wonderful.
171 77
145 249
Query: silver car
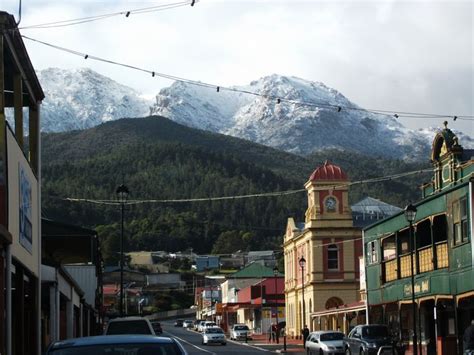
240 332
326 342
213 335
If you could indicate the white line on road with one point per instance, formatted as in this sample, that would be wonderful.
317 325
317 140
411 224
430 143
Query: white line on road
250 346
187 342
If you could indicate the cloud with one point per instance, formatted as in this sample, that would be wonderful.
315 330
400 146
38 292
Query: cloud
400 55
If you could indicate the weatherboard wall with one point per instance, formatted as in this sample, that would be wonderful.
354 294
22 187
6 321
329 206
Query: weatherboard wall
456 279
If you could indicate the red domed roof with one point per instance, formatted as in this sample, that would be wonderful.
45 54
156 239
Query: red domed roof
328 171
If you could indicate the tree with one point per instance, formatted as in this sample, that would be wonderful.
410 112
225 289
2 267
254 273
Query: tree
228 242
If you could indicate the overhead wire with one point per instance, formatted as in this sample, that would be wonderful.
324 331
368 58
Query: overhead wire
88 19
277 98
237 197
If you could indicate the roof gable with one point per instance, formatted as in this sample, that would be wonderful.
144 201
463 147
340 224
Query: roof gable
254 270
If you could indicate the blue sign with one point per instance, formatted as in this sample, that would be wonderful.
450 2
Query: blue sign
26 232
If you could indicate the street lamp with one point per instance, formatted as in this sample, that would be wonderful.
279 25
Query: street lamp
122 194
275 273
410 214
302 263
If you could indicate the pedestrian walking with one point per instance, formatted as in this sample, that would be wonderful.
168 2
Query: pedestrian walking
468 338
270 333
305 333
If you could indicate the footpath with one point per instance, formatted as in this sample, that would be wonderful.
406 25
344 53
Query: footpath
293 346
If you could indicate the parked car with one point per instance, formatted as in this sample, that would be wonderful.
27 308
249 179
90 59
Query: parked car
129 344
200 325
208 324
178 323
188 324
239 332
197 324
368 339
213 335
129 325
325 342
157 327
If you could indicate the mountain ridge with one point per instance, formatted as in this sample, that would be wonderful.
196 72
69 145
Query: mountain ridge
82 98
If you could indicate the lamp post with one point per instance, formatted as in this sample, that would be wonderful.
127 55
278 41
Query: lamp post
302 263
410 214
275 274
122 194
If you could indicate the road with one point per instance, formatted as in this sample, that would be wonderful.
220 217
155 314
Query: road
191 340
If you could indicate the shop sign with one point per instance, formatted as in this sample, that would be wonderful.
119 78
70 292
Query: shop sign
26 237
420 287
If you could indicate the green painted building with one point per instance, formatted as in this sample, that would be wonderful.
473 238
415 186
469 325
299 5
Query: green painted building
443 257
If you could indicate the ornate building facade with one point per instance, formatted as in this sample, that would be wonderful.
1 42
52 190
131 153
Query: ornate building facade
331 247
439 243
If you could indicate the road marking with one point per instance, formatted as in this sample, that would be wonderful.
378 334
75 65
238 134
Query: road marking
187 342
250 346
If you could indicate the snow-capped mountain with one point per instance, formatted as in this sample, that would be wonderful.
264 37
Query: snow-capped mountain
82 98
296 128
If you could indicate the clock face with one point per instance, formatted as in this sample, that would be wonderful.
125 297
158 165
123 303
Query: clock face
330 204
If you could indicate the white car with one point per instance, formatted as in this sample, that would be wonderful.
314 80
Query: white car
213 335
188 324
129 325
240 332
207 325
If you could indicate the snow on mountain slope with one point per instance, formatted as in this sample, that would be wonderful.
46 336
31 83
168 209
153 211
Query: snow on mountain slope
82 98
296 128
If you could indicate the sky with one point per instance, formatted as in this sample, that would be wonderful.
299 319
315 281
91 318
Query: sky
396 55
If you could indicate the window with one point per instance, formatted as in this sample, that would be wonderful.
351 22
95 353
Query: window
372 254
460 221
389 248
333 257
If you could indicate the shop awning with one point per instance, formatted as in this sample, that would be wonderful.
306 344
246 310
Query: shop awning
346 308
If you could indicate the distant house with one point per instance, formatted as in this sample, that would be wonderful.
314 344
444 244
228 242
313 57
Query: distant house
232 305
164 280
112 275
234 261
264 257
147 260
207 262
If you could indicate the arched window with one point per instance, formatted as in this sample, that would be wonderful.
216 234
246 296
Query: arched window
333 257
333 302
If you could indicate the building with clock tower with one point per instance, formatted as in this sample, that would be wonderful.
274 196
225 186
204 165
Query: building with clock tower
322 254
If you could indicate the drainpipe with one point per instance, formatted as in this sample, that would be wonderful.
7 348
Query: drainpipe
365 281
8 300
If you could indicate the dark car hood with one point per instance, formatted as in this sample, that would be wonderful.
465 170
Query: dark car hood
379 341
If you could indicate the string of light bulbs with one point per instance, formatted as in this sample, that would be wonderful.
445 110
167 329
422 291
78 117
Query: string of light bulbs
239 197
276 98
125 13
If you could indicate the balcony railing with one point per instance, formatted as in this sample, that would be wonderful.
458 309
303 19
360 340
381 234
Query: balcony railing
442 255
405 265
426 262
390 270
425 259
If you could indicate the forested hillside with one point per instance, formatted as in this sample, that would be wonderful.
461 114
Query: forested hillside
159 159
